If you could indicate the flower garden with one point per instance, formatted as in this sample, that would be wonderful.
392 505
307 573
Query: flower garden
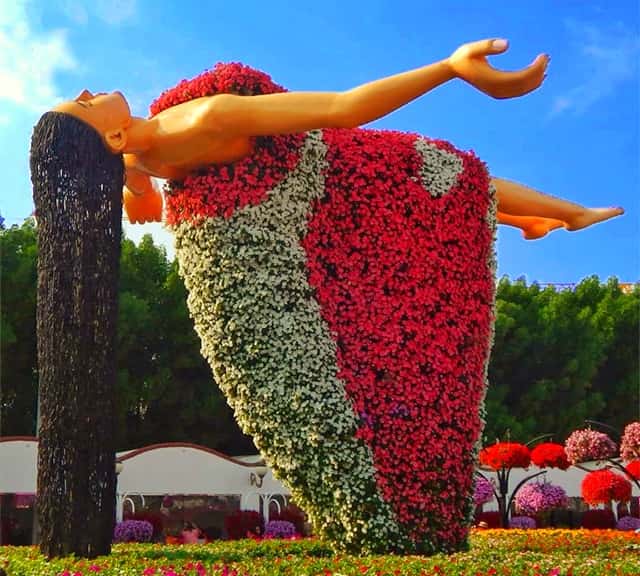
372 420
491 553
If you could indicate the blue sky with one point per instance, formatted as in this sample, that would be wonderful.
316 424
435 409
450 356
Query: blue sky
577 137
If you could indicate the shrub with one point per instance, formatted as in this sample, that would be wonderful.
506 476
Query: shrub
628 523
522 523
292 514
491 518
133 531
242 522
598 519
279 529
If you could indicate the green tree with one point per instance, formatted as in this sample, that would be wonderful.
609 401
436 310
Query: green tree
18 370
618 379
555 355
166 389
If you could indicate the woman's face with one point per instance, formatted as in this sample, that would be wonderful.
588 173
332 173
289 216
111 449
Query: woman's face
106 113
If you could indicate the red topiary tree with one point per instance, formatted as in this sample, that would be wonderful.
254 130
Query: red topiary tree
502 457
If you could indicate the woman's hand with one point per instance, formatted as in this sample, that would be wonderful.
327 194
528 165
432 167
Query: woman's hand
469 62
142 202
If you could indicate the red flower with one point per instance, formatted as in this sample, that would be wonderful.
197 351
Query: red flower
633 468
602 486
550 455
505 455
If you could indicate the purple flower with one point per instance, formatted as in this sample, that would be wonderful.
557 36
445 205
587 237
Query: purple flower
586 445
482 491
133 531
279 529
628 523
522 523
537 497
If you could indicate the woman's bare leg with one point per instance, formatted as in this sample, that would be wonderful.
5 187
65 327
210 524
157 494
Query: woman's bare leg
533 227
517 200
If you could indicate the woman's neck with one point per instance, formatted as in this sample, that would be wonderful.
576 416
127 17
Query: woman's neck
139 135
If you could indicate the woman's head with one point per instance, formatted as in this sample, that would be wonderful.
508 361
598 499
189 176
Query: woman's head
108 114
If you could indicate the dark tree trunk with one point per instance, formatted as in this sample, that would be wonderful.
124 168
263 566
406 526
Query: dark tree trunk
79 233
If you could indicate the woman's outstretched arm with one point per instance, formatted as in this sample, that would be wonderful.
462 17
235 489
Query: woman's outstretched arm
290 112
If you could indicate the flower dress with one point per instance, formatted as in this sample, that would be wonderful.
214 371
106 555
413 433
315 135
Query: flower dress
342 284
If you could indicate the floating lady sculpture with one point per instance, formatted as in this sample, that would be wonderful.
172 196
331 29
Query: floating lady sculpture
341 280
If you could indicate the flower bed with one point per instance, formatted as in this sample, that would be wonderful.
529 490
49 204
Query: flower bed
492 553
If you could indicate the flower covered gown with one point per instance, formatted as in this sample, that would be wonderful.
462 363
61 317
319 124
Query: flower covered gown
342 284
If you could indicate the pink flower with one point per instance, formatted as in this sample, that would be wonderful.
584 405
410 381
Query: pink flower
537 497
630 445
587 445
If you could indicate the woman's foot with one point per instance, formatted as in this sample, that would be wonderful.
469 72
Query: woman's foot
589 216
534 227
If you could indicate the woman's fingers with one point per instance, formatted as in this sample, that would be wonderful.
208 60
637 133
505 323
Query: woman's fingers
486 47
501 84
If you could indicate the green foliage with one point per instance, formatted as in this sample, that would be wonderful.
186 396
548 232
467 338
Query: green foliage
513 552
165 388
18 377
559 356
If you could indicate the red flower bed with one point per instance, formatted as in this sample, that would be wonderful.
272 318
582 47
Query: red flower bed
491 518
602 486
598 519
550 455
505 455
240 523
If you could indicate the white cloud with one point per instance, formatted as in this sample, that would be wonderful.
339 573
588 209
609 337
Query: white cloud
116 12
607 58
112 12
29 60
75 11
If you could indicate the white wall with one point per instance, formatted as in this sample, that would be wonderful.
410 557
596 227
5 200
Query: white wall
18 466
183 469
189 469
